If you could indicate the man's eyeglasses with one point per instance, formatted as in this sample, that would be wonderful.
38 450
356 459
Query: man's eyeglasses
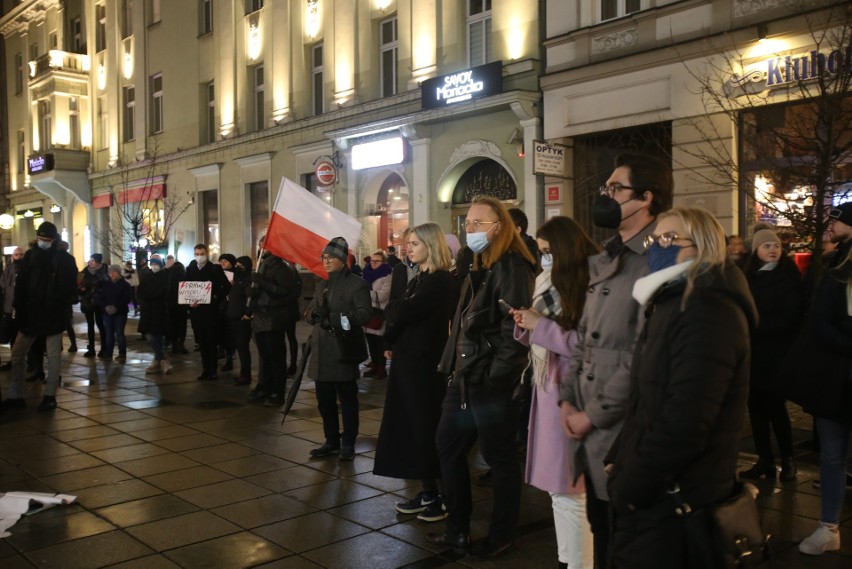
611 189
327 258
665 240
474 225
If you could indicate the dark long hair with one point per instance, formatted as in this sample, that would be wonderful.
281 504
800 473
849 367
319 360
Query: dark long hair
571 248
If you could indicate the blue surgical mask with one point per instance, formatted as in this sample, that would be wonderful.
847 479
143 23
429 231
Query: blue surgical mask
660 258
478 242
546 261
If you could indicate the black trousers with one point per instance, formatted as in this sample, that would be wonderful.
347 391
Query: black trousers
598 514
292 342
273 360
177 324
241 331
204 326
492 418
328 394
765 410
94 318
376 344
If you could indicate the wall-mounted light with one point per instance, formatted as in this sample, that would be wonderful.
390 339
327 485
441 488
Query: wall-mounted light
55 208
520 149
29 213
7 221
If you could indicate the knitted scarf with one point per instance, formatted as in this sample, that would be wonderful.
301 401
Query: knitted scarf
545 301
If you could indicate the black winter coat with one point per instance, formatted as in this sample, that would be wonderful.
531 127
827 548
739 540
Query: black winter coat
780 299
44 291
208 314
153 291
272 294
90 287
118 294
485 349
688 398
238 295
419 325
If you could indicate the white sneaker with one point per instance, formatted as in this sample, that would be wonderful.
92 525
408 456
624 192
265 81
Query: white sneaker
822 540
154 367
165 366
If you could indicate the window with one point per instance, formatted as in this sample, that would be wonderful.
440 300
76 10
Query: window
258 196
205 17
53 40
126 18
34 52
616 8
129 120
210 110
156 103
74 122
100 27
253 6
45 120
257 81
316 74
389 49
210 220
153 11
76 35
103 122
479 31
19 73
22 152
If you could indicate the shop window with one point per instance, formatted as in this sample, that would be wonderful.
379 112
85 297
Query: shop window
485 178
129 121
617 8
392 207
210 221
258 196
389 52
594 159
479 32
317 79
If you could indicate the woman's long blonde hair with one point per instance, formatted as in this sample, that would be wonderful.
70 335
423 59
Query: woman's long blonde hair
440 257
709 238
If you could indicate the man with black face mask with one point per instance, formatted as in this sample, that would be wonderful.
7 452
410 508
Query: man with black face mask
594 396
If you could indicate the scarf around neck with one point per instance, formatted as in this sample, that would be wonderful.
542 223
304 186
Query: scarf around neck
545 301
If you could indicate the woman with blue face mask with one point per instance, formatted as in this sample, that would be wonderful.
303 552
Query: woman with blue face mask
690 370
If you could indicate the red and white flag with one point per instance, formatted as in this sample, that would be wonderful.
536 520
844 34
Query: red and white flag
302 225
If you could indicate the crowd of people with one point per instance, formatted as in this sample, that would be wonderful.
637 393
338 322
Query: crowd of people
623 371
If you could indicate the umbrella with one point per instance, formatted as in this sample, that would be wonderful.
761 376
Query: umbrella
293 390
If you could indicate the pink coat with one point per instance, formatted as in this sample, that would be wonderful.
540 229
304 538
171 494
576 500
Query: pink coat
549 450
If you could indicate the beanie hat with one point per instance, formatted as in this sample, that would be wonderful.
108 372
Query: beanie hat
244 261
337 248
763 236
48 230
97 257
114 269
228 257
842 213
156 261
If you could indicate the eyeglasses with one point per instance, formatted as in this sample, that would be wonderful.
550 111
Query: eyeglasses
327 258
468 224
610 190
665 240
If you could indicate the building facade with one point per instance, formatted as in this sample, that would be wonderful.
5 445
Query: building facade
144 123
706 85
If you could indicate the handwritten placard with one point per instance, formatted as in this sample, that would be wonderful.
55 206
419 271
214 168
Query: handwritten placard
194 292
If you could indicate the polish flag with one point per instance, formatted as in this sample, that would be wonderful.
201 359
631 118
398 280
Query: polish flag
302 225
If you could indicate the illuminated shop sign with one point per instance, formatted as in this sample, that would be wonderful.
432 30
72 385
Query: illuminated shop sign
474 83
780 71
40 163
378 153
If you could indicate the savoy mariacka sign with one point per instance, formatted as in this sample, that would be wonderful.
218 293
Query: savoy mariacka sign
38 163
474 83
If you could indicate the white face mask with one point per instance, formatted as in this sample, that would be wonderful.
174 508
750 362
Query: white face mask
201 259
155 268
44 245
546 261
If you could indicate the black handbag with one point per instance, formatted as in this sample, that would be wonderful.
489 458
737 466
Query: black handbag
726 535
351 345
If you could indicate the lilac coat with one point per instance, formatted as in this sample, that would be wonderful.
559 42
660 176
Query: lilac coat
549 450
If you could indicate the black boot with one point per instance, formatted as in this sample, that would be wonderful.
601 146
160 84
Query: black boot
764 467
788 469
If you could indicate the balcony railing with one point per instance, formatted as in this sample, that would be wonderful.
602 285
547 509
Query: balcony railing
56 60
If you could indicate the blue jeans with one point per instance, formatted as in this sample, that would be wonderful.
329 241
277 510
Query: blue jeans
155 340
114 332
834 444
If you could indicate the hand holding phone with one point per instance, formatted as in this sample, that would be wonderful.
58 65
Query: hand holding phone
505 304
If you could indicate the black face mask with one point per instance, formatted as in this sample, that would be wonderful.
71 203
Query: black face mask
606 212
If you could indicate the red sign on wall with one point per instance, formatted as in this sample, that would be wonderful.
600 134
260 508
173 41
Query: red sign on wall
326 173
553 193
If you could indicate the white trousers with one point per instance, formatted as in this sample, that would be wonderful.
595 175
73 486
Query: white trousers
573 532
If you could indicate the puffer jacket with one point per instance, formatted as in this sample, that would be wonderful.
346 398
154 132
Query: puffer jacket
482 347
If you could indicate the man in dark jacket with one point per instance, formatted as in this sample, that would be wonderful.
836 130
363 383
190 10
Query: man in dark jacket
485 363
239 316
91 279
206 316
45 288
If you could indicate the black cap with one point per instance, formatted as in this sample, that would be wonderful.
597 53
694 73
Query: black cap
842 213
48 230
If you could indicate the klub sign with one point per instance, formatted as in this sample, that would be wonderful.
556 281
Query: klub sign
781 71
